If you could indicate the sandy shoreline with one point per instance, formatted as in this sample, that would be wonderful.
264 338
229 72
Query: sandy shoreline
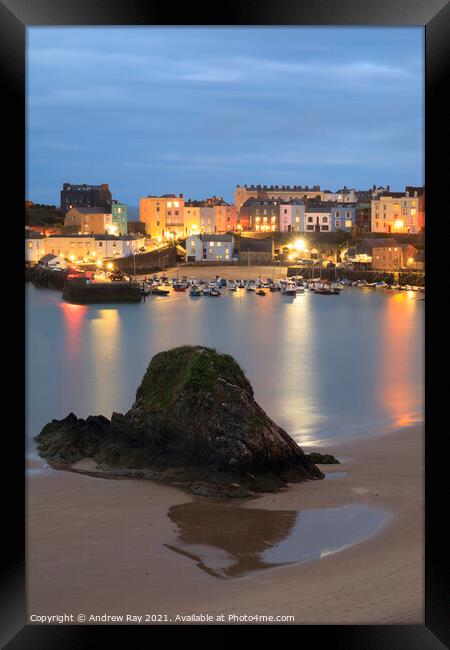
104 546
242 272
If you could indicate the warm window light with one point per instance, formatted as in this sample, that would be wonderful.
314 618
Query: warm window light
72 258
109 265
99 263
410 260
398 223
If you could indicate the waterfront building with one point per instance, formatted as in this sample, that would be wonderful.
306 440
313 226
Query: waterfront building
163 215
191 217
209 247
256 251
207 224
363 210
399 212
90 221
318 218
53 261
119 213
292 216
224 216
386 257
386 254
34 247
418 261
343 217
282 193
264 214
93 247
85 196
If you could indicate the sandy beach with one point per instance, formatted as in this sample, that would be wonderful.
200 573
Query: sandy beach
241 272
108 547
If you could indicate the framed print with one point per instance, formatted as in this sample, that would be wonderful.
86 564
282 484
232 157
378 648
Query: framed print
228 267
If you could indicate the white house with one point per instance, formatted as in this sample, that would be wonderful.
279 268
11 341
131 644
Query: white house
34 247
93 247
53 262
318 219
200 248
292 216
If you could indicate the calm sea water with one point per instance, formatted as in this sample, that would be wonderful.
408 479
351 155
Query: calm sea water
323 367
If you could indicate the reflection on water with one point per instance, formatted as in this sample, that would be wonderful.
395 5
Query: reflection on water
332 475
396 385
228 541
322 367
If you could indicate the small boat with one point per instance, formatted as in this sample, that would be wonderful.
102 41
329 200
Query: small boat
156 291
179 286
324 291
260 292
289 290
195 291
232 286
250 287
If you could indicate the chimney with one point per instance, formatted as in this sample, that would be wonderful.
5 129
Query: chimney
181 196
388 188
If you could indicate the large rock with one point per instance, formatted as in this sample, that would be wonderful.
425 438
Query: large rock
194 423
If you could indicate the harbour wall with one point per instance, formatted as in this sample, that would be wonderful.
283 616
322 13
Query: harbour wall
80 291
151 262
400 277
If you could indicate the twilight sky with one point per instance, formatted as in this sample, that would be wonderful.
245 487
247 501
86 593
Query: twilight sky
198 110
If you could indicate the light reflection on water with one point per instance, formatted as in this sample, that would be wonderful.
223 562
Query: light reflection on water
323 367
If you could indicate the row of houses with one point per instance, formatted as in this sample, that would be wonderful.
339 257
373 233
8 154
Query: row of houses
86 248
385 254
286 209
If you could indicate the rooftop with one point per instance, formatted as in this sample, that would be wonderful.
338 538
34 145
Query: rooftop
90 210
100 237
228 237
252 245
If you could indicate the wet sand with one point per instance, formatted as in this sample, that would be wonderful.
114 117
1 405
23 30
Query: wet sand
113 546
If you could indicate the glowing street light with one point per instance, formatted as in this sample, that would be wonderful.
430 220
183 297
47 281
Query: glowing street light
299 244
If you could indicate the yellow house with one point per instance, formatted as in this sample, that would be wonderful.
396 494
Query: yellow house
399 212
90 221
192 218
162 215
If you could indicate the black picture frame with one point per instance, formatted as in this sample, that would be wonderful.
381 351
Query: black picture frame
434 15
